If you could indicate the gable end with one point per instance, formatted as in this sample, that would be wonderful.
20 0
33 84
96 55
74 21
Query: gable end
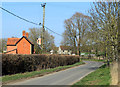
22 38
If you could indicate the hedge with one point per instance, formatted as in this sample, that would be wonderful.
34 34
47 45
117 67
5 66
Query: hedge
14 63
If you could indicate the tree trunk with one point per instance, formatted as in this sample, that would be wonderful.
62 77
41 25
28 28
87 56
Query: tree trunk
114 73
75 50
79 47
118 45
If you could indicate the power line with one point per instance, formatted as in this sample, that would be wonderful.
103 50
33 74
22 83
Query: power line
18 16
51 30
29 21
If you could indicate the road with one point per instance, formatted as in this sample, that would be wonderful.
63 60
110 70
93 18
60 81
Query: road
65 77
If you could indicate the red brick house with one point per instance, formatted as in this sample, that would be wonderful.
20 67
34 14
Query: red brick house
20 45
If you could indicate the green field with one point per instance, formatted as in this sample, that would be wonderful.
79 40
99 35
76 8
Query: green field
99 77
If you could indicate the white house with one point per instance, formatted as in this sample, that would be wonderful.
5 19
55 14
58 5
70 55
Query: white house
65 50
51 51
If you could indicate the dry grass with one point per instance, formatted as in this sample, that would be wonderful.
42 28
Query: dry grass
114 73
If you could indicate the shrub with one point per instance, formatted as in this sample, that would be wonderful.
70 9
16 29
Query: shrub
12 64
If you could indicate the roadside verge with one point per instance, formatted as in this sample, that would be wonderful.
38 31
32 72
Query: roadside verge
23 76
99 77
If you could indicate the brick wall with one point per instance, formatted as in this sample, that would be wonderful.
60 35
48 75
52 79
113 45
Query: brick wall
24 47
9 48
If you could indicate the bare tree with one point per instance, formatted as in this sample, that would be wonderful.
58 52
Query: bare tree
75 29
48 39
104 22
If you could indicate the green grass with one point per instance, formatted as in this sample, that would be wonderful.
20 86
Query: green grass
9 78
99 77
93 60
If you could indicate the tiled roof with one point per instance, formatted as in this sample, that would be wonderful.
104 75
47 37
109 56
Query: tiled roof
65 47
56 48
12 41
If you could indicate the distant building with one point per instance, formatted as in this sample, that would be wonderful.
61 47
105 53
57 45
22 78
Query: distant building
65 50
54 50
20 45
39 41
51 52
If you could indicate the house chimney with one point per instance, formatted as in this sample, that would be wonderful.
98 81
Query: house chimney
23 33
27 34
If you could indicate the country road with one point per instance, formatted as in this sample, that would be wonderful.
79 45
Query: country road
65 77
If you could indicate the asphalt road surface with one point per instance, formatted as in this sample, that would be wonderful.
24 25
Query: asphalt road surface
65 77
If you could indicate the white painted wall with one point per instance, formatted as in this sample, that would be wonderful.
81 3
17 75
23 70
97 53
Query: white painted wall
64 52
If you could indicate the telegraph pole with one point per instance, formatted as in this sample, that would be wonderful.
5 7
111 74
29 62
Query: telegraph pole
43 29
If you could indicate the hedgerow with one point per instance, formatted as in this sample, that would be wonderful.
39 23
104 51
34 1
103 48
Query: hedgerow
15 63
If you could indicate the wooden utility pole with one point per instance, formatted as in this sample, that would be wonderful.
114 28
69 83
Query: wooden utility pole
43 29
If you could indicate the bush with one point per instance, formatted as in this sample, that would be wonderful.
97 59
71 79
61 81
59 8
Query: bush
89 56
12 64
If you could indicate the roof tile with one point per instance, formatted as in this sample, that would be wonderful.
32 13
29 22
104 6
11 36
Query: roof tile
12 41
65 47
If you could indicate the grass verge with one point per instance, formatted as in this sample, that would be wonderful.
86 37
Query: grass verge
19 76
93 60
99 77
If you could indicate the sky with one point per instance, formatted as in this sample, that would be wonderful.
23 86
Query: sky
55 15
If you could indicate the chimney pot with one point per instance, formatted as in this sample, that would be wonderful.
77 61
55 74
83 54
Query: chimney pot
27 34
23 33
